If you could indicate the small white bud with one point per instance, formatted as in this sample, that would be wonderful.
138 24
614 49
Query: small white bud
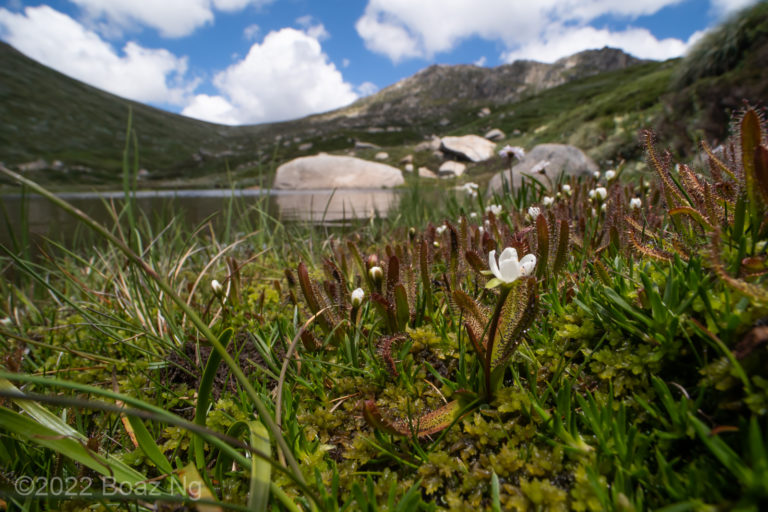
610 174
534 212
357 297
635 203
596 174
376 273
547 200
601 193
566 188
218 290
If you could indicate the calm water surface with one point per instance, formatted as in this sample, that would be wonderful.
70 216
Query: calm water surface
193 206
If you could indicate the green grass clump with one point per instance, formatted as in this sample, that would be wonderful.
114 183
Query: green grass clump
623 370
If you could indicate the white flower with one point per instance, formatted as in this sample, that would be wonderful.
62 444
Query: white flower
473 215
357 297
510 151
470 189
540 166
547 200
604 207
481 230
534 212
494 209
635 203
509 269
436 243
439 230
217 288
600 192
376 273
596 174
610 174
566 188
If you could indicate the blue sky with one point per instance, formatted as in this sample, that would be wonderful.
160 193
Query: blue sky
253 61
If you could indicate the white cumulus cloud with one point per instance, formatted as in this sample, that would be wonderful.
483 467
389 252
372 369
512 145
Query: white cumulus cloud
285 76
539 30
559 42
171 18
60 42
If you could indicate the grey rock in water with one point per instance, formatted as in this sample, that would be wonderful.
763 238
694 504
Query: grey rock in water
468 147
331 171
562 158
451 169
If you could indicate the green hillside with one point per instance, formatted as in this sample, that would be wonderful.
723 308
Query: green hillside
49 116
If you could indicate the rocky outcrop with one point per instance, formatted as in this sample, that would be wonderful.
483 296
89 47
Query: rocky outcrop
561 158
331 171
468 147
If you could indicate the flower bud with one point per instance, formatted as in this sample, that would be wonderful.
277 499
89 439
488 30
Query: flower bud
218 290
376 273
357 297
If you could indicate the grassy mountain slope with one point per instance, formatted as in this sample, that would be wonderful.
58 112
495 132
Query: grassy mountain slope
596 100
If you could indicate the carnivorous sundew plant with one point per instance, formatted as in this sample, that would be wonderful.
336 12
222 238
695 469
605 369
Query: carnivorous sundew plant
596 344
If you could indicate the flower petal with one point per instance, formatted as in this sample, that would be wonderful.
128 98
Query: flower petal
510 270
510 253
527 264
493 265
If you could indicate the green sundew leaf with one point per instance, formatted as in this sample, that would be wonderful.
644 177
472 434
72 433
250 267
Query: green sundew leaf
402 311
516 316
562 247
386 311
393 277
204 395
695 214
197 488
421 426
750 142
542 241
149 446
307 288
475 317
761 170
355 252
73 447
426 280
454 260
261 470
